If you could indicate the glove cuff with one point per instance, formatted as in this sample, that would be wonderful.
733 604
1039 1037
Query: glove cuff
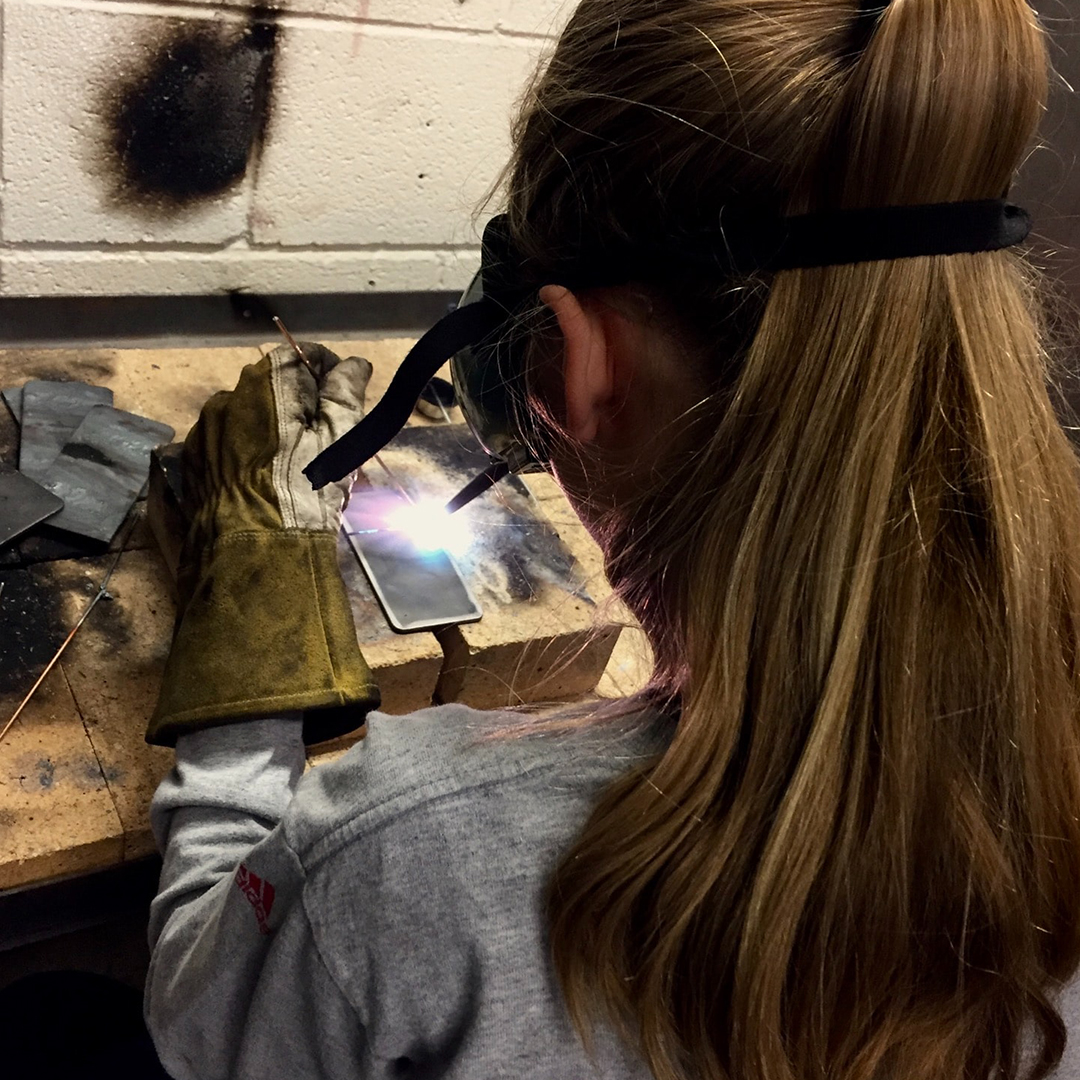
268 630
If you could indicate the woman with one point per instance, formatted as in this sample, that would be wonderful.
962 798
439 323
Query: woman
838 836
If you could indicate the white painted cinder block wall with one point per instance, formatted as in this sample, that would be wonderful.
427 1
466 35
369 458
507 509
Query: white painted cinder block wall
388 121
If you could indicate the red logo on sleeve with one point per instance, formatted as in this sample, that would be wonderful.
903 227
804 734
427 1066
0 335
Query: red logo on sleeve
260 895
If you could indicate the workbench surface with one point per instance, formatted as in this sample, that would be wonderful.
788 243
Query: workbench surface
76 776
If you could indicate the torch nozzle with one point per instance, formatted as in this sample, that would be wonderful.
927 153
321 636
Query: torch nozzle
478 485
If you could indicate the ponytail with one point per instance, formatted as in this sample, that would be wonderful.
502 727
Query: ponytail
860 855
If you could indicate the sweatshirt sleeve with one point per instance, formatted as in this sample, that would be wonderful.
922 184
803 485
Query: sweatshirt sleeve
229 935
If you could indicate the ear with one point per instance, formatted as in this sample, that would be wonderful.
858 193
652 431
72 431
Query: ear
588 367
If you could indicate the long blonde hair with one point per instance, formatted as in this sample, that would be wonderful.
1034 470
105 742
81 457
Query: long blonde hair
860 855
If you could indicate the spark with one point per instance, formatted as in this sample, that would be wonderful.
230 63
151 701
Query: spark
429 528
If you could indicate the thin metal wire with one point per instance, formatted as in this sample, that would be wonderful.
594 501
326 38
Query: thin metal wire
102 591
296 346
393 479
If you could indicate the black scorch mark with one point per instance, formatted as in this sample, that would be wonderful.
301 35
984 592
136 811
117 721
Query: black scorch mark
31 627
185 123
46 772
85 452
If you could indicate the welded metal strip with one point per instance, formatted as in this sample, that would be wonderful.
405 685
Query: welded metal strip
102 469
51 411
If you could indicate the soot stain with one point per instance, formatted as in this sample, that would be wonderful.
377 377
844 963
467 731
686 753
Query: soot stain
45 544
114 624
110 622
251 308
92 777
64 365
31 628
186 123
46 770
85 452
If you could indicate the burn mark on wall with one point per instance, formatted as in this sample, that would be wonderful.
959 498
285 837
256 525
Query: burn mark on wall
184 124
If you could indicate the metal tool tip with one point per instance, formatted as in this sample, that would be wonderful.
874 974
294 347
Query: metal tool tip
295 345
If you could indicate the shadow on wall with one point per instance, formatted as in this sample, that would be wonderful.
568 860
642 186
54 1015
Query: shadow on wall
186 120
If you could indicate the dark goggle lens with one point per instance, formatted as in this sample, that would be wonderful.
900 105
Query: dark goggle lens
489 381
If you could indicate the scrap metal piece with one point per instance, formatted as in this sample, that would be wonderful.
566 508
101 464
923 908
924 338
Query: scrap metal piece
51 411
13 399
102 469
23 503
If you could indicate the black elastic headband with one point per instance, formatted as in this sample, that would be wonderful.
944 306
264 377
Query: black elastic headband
744 243
839 237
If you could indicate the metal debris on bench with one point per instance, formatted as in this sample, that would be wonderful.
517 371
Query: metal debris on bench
91 460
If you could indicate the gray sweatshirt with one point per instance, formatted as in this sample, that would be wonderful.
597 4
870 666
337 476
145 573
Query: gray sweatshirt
378 916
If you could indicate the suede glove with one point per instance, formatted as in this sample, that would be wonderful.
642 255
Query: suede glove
263 622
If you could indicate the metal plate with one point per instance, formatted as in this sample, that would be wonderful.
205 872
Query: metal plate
418 589
51 411
22 503
102 469
515 553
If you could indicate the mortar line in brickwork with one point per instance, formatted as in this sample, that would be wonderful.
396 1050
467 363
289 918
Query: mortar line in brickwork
426 29
242 12
366 249
18 248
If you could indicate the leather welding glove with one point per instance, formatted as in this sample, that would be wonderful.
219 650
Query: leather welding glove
263 623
